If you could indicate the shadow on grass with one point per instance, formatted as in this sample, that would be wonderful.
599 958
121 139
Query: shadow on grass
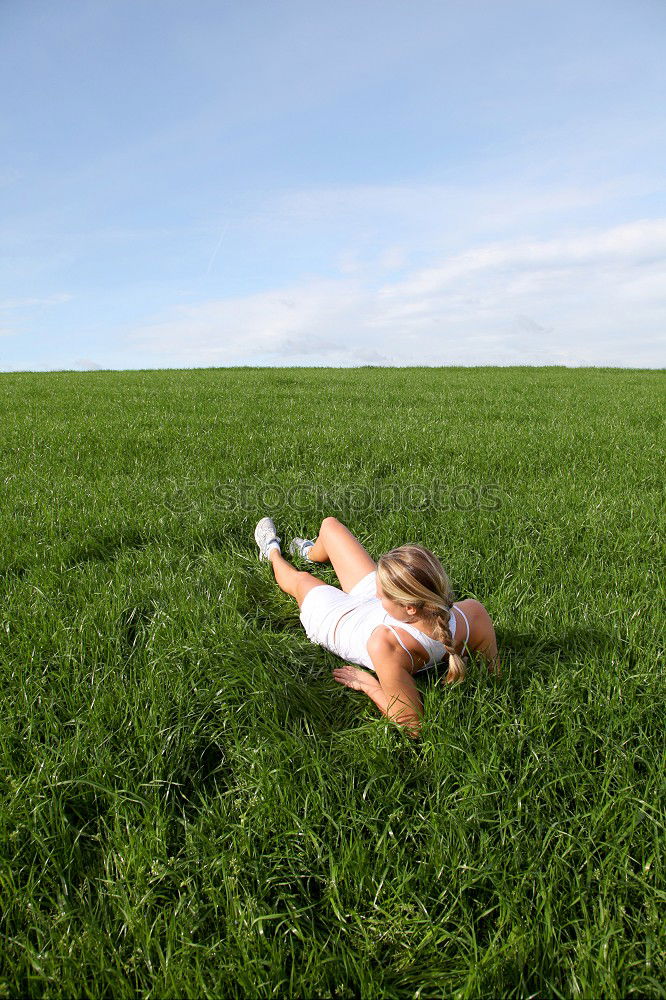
565 645
105 547
9 574
133 627
264 605
206 773
541 655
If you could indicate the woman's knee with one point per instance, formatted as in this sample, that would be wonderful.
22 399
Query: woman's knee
328 523
304 582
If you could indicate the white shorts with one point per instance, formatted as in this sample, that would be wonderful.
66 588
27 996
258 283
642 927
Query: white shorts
323 607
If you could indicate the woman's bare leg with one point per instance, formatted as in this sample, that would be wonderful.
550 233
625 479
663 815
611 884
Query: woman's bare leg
336 544
292 581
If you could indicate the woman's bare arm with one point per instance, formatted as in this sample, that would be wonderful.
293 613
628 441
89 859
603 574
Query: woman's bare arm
360 680
393 690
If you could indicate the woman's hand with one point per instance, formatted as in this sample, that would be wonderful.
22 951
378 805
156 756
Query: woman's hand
355 678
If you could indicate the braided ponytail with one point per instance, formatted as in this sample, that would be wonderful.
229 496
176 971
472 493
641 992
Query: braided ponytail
442 630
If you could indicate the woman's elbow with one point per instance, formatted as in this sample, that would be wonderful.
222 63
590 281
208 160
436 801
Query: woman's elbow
410 724
410 721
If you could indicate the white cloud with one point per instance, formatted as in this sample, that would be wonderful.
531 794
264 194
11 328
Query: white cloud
87 365
301 320
598 297
442 215
28 303
574 300
628 245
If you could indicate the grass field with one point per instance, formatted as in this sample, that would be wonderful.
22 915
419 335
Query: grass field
192 807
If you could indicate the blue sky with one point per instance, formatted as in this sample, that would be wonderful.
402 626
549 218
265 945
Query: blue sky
308 183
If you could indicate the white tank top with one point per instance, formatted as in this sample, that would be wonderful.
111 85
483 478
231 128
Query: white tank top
352 631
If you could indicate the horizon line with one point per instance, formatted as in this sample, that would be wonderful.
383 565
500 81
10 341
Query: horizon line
193 368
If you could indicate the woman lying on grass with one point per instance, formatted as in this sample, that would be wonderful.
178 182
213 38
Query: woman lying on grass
395 617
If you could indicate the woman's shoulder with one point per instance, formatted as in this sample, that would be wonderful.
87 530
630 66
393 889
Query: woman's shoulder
383 643
472 609
480 622
469 605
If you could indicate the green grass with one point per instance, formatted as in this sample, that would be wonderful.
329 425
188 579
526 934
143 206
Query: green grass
190 804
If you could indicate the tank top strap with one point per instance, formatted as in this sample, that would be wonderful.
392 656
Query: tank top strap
460 611
430 646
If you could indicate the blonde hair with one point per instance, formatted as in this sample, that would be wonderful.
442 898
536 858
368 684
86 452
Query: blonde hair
413 575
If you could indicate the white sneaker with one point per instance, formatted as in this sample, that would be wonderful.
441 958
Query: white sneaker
266 537
301 547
